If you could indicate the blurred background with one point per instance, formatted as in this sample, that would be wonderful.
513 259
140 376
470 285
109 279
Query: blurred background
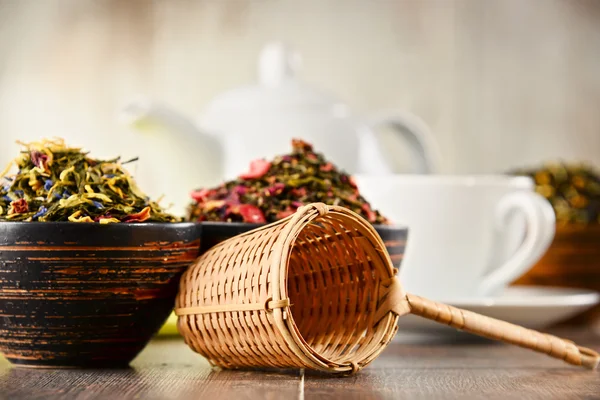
501 84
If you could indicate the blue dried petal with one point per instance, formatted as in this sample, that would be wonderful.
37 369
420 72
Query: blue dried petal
57 196
66 194
42 210
98 205
48 184
19 193
110 175
7 198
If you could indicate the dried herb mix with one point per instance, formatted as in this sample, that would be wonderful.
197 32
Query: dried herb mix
572 189
59 183
273 190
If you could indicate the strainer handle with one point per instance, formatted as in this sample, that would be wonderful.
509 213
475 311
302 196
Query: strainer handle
500 330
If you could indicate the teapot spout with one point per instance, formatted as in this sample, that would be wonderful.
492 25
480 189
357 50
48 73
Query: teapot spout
177 157
145 115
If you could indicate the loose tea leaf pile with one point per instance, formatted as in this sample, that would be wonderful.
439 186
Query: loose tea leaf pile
59 183
572 189
273 190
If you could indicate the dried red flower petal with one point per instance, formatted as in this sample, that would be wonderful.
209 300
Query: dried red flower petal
232 199
371 216
290 181
326 167
251 213
275 189
18 207
352 182
299 192
299 145
258 168
139 217
201 195
39 159
240 190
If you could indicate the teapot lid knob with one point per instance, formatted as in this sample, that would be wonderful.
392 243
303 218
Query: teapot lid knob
277 62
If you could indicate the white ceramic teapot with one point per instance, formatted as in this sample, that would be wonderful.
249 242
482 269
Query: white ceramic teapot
259 121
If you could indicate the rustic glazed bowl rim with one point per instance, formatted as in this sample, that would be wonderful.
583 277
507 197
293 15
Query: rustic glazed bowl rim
104 226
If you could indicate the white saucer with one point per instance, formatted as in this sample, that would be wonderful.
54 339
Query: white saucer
529 306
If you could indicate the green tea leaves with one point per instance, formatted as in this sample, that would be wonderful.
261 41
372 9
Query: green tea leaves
59 183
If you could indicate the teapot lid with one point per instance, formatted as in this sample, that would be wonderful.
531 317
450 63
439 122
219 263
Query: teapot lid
277 88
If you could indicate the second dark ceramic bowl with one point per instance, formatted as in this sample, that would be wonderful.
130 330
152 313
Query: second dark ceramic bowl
571 261
214 233
88 295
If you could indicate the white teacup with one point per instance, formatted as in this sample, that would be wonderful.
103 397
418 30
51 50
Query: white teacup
469 236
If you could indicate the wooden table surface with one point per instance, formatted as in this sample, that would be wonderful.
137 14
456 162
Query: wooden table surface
409 369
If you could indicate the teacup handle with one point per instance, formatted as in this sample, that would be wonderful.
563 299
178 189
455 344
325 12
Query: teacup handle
540 228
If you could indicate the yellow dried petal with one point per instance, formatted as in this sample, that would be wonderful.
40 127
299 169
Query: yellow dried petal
545 190
37 186
579 182
50 192
99 196
8 167
212 204
65 172
40 170
54 144
33 180
117 190
578 201
109 167
50 155
108 221
82 219
543 177
75 214
76 217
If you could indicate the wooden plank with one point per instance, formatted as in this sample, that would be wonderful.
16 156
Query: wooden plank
168 369
473 369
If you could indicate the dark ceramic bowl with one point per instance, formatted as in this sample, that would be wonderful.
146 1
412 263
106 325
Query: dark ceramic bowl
88 295
214 233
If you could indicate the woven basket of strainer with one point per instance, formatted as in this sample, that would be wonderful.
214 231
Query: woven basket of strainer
316 290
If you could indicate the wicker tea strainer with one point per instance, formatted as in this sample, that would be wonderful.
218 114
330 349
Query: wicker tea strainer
317 290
